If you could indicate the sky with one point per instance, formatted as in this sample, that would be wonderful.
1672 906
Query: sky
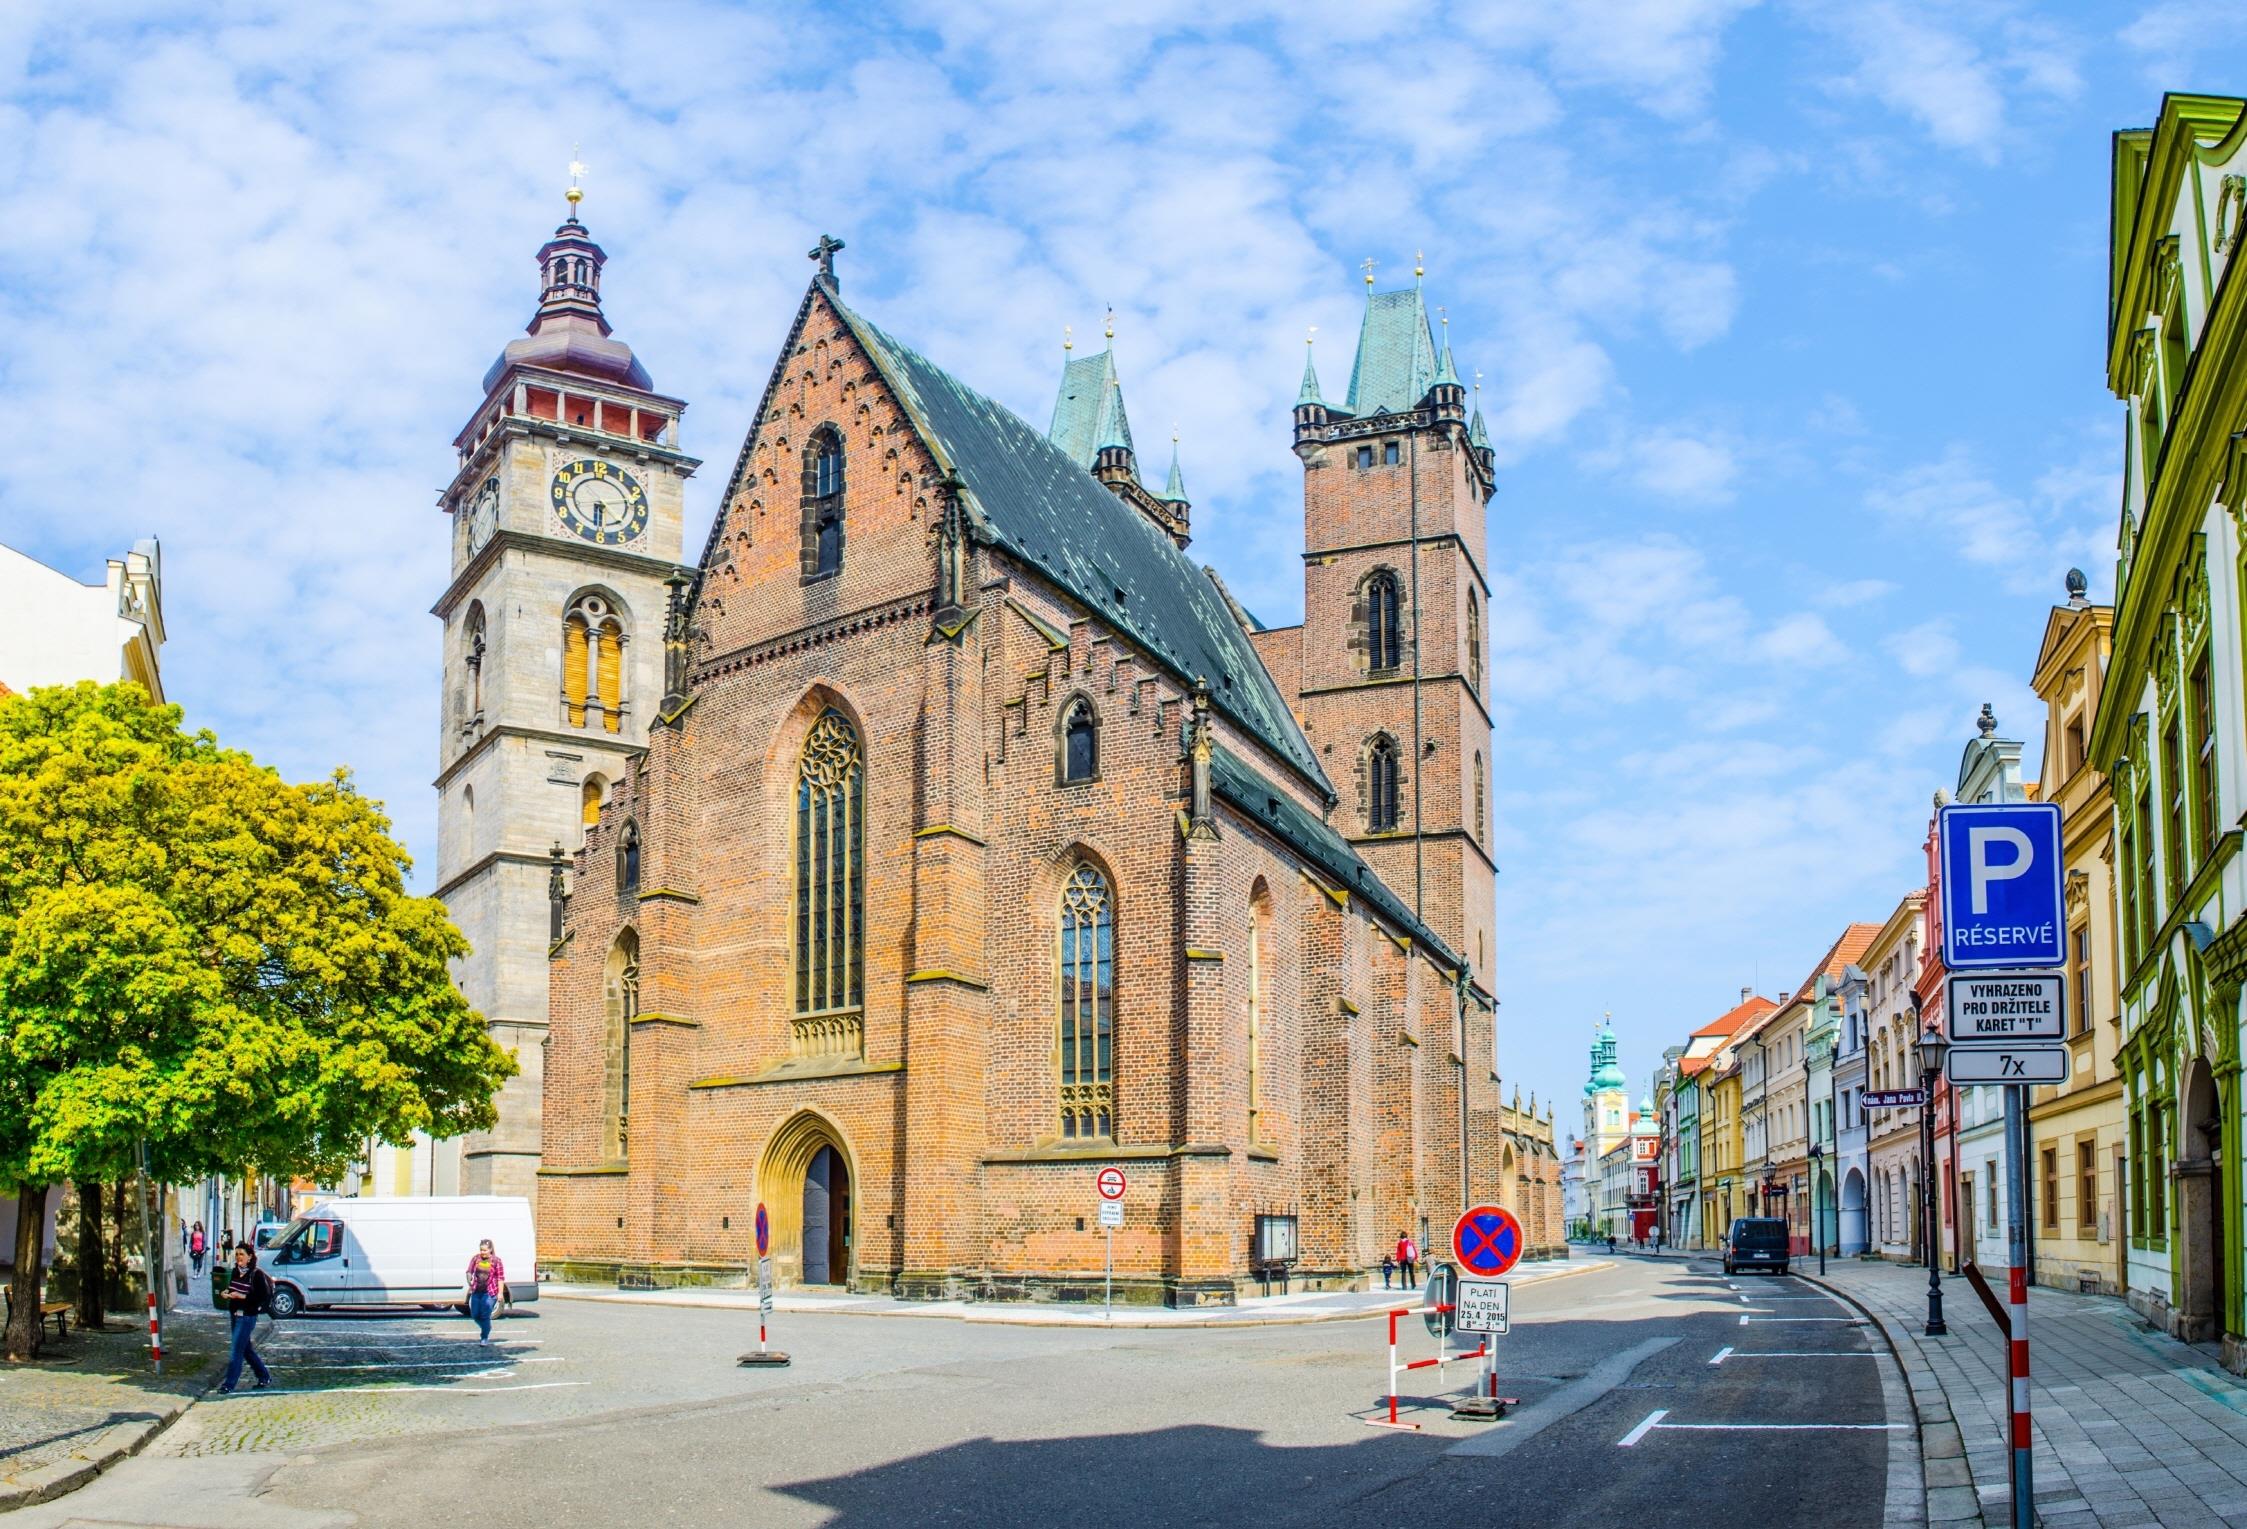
1788 317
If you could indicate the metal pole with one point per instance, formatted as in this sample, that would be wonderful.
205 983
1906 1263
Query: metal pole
1111 1231
1817 1226
1935 1325
2016 1237
148 1237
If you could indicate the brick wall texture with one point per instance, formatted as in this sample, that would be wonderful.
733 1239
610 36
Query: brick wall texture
942 1098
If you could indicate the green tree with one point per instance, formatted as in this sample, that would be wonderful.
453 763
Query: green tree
198 955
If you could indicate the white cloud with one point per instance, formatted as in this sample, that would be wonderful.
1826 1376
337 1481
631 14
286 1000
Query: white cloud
1926 63
1925 649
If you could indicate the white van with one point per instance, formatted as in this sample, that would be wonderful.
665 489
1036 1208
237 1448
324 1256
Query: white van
404 1251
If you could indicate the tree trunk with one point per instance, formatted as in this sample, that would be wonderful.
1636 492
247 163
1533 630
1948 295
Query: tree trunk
23 1318
93 1262
119 1288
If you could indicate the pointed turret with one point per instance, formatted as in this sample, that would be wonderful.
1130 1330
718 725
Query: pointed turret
569 333
1396 360
1174 487
1092 427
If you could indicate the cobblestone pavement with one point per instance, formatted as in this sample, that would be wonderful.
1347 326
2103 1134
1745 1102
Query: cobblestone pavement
2131 1427
91 1394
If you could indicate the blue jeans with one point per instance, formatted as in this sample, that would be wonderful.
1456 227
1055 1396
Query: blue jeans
241 1348
480 1307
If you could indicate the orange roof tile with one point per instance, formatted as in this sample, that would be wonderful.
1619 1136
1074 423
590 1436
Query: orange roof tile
1854 942
1738 1015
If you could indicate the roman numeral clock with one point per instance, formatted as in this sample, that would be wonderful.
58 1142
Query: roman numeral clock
600 502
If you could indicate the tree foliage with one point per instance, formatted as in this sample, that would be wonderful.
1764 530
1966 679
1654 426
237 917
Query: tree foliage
197 954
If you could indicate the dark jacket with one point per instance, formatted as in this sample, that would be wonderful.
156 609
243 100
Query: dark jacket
259 1299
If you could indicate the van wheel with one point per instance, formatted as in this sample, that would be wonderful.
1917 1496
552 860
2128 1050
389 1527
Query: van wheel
286 1302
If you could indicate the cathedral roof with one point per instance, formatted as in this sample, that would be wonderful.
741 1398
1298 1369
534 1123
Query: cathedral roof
1396 362
1028 495
1232 778
1089 412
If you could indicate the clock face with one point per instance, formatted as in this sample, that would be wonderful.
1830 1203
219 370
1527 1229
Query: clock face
483 516
600 502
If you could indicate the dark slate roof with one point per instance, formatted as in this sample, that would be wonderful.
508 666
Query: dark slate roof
1396 362
1025 495
1234 779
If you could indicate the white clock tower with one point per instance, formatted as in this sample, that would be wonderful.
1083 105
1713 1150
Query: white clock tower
566 521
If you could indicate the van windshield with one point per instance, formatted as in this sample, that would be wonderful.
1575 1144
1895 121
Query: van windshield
292 1235
1759 1234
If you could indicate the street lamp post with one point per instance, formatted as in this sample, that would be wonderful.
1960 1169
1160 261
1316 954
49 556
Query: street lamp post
1817 1227
1933 1047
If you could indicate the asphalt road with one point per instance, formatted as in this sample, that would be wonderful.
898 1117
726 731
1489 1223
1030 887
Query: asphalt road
1645 1400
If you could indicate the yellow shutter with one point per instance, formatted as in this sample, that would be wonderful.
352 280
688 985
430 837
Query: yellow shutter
573 670
612 678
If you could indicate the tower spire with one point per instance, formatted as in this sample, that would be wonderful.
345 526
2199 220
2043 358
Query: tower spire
1309 391
1174 488
576 193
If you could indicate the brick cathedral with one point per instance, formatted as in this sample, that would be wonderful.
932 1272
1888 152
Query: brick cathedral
947 834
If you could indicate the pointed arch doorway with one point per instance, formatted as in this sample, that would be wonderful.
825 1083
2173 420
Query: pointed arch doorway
806 1182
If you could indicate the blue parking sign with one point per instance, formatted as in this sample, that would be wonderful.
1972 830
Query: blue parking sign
2001 886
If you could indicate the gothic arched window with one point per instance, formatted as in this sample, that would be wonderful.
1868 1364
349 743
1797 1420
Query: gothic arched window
593 663
830 874
1384 625
622 992
823 503
472 664
1088 987
1474 641
1381 785
1080 742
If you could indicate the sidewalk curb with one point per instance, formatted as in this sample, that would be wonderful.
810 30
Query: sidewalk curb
119 1441
1009 1314
1942 1448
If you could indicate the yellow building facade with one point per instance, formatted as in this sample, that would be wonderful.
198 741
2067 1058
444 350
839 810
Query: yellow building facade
2077 1131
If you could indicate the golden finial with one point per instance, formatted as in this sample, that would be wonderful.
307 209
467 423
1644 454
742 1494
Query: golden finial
1068 337
1443 317
1369 274
1312 337
1478 379
1417 265
1111 322
576 193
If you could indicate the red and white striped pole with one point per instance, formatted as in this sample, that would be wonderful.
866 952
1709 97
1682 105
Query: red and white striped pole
155 1332
2017 1301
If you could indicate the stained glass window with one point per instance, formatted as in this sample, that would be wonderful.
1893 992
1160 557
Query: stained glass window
830 867
1088 974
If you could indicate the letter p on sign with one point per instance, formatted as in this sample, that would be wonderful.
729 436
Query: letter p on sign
1980 871
2001 878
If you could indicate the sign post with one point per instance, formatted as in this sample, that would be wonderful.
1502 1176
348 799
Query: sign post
771 1358
1487 1241
2005 939
1110 1183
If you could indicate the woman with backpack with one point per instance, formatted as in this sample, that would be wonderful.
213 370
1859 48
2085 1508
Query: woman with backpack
249 1295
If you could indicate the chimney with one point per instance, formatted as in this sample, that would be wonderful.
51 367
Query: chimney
1746 993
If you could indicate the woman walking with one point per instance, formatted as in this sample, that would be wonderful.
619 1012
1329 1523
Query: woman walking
249 1295
197 1246
487 1287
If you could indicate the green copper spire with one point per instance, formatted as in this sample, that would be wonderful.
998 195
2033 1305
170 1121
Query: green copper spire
1174 490
1309 391
1476 434
1445 371
1396 360
1089 412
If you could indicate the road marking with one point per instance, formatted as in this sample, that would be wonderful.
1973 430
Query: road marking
1769 1427
1847 1353
1720 1355
536 1385
1745 1319
1525 1424
1646 1425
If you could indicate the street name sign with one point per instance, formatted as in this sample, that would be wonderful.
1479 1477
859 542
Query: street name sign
1482 1306
2001 885
2007 1009
2012 1064
1111 1213
1894 1098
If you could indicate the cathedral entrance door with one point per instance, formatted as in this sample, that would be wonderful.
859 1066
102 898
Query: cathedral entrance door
826 1255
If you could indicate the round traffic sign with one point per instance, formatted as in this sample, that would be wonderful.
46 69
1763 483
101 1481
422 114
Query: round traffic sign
764 1229
1110 1183
1488 1241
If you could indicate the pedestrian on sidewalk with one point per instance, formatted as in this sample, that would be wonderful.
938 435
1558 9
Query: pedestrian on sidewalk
1388 1268
487 1287
198 1246
1408 1255
249 1295
226 1243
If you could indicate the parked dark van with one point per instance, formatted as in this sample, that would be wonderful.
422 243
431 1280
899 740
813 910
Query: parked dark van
1756 1242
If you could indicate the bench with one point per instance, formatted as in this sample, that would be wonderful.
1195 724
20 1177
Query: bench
57 1312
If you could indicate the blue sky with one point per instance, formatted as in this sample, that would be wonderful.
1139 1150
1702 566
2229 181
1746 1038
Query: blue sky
1789 315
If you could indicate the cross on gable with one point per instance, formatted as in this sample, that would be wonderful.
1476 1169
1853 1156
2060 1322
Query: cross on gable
824 253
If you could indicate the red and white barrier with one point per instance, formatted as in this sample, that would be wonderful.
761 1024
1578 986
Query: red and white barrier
1443 1356
155 1333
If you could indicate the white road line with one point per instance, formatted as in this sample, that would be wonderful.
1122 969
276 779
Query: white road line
1721 1354
1773 1427
1745 1319
536 1385
1846 1353
1651 1421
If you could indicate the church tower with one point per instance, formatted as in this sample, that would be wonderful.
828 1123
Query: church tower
566 519
1606 1099
1393 680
